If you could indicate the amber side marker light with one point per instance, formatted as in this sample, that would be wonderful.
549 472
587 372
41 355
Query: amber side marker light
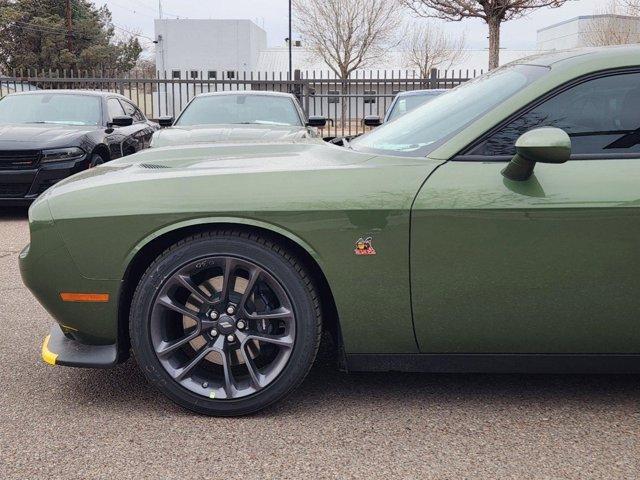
85 297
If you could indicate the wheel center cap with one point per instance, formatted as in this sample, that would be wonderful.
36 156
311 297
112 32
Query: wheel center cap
226 324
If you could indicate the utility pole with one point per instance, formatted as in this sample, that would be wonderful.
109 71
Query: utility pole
69 27
290 45
160 9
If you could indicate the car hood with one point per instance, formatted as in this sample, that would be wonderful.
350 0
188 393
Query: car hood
37 136
228 133
213 160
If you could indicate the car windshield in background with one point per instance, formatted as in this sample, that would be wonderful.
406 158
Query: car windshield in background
421 131
240 109
407 103
52 108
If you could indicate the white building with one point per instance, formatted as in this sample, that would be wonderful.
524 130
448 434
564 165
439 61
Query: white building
572 33
202 47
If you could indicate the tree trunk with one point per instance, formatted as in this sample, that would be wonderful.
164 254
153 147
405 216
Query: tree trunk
494 43
345 98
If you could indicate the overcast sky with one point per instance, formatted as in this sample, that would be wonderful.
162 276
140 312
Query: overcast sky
138 15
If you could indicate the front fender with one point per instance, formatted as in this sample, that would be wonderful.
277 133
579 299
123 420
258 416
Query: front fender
213 221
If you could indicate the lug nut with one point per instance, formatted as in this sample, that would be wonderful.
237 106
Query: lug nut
214 332
231 338
240 325
231 309
213 315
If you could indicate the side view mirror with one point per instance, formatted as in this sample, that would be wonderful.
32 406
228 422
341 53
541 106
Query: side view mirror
317 121
541 145
165 121
372 121
121 121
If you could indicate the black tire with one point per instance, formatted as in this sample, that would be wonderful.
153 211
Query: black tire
271 257
96 159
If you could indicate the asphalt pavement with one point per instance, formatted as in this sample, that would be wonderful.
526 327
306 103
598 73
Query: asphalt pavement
58 422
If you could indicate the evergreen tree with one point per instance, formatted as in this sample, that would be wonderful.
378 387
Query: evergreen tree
34 35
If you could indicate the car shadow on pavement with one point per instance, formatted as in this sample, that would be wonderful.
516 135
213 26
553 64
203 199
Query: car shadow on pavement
14 213
327 389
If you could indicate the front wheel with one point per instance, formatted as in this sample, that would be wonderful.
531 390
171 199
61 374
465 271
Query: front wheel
225 323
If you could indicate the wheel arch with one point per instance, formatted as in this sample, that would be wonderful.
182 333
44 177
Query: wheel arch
152 246
102 150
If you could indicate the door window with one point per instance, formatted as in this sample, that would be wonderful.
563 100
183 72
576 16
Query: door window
602 116
131 110
115 109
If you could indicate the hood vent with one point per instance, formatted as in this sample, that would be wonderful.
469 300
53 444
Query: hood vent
152 166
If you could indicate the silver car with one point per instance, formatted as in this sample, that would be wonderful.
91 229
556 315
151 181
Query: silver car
238 116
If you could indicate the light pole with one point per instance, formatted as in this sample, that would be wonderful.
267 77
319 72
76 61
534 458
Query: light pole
290 45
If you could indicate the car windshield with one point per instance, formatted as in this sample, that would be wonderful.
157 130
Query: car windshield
55 108
421 131
240 109
407 103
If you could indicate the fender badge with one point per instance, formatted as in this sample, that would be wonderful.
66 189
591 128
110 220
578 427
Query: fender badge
364 247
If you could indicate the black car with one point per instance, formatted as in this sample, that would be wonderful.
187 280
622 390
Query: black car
47 135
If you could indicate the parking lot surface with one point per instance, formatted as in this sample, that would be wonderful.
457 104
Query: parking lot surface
68 423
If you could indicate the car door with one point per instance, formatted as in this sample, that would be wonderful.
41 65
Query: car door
546 265
117 138
141 131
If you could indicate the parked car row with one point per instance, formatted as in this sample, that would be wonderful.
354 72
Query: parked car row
48 135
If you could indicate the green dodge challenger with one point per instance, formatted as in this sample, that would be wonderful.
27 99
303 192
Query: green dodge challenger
494 229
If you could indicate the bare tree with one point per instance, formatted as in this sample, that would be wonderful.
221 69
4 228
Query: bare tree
493 12
633 7
429 47
612 25
347 34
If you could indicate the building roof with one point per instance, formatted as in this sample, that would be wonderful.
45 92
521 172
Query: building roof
589 17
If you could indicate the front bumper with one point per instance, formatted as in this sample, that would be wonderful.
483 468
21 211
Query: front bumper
21 187
58 349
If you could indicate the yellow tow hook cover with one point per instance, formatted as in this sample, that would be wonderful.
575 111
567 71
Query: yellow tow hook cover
47 355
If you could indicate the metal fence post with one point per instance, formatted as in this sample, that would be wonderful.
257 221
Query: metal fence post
433 78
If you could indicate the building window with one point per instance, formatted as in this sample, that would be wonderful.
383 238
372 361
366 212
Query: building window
368 96
212 75
176 74
231 74
333 96
193 74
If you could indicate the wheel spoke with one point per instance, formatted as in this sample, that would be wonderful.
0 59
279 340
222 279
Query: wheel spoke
168 347
170 304
251 282
182 373
281 340
279 314
187 283
256 378
229 383
229 265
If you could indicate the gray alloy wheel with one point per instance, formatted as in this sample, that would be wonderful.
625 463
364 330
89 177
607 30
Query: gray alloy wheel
223 330
225 322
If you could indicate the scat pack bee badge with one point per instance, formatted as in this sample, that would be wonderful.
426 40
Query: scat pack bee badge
364 246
